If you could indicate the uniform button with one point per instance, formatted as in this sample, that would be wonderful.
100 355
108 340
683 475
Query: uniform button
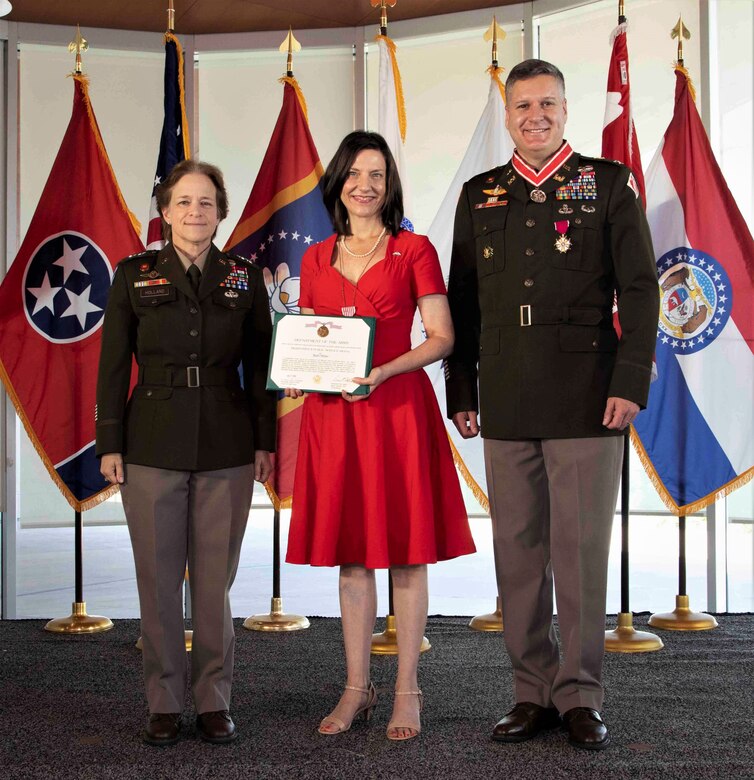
531 222
193 310
595 343
233 305
484 228
149 392
193 332
193 356
155 302
529 252
577 221
528 282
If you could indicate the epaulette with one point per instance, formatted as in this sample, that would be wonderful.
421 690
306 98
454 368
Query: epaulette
147 254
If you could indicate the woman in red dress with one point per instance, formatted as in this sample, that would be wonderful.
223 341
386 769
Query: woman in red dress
375 483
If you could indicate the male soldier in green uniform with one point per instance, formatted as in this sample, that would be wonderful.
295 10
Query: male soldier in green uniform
540 245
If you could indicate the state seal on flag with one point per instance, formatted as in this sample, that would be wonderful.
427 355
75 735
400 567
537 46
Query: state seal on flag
695 300
65 287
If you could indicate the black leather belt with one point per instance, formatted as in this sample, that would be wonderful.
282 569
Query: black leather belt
545 315
189 376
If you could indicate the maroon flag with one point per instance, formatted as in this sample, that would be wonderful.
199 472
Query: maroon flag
618 134
52 303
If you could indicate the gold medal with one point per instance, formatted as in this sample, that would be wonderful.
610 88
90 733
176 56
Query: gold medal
323 331
562 244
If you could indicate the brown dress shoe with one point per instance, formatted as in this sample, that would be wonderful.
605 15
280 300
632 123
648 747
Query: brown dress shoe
525 721
217 727
162 728
586 729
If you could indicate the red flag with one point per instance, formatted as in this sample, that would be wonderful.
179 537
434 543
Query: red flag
52 303
282 218
618 134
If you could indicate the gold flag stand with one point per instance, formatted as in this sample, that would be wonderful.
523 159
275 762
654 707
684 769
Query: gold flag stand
386 642
492 621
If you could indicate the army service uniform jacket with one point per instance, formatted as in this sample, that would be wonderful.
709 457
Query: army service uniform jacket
533 323
188 410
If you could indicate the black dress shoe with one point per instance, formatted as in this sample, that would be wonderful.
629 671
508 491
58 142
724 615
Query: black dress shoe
163 728
525 721
586 729
217 727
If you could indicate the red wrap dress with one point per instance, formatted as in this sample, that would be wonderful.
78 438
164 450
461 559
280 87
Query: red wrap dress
375 482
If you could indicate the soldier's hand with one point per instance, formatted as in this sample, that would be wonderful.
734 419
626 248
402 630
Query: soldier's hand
619 413
262 466
111 468
466 423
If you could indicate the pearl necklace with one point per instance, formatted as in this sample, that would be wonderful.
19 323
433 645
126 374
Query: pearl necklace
369 251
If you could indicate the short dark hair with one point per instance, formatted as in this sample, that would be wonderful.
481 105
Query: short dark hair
337 173
181 169
528 69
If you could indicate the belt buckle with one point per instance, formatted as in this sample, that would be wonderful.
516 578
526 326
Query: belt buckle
525 315
192 376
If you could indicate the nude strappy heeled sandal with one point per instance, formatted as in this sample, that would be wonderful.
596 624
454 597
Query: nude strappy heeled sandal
366 710
392 727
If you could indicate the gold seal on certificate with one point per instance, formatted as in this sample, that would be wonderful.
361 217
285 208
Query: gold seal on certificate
322 354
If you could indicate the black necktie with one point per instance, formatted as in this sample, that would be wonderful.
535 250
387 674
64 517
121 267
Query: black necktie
195 277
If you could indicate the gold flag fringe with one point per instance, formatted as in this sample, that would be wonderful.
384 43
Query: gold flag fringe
84 82
76 505
692 89
299 94
401 103
667 499
479 494
182 94
495 74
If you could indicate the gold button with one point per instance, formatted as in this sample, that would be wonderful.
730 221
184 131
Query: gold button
531 222
528 282
529 252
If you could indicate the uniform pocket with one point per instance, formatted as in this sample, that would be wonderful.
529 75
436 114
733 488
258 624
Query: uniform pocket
489 241
489 342
585 234
583 338
154 393
232 299
156 295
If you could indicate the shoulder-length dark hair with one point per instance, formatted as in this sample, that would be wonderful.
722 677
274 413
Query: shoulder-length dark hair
337 173
165 189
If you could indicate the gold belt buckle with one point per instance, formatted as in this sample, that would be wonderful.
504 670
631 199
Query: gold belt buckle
525 315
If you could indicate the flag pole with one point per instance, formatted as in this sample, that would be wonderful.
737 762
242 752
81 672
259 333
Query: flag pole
492 621
624 638
386 642
79 622
276 619
682 618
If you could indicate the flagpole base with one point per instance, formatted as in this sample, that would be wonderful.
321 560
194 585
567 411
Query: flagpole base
188 637
626 639
386 643
78 622
490 622
682 618
276 620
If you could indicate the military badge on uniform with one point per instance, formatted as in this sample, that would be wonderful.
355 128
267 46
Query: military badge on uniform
498 190
538 196
151 282
583 187
488 252
491 203
231 294
565 209
562 242
237 279
588 209
144 267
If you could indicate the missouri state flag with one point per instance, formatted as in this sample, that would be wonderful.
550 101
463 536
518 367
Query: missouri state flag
174 139
696 438
52 303
283 216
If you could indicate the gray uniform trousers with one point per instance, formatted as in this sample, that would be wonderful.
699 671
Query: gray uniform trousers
552 503
175 518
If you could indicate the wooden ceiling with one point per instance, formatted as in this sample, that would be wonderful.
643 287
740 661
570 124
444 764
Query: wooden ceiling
226 16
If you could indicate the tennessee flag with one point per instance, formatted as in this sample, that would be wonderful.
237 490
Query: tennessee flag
283 216
174 140
52 302
696 436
